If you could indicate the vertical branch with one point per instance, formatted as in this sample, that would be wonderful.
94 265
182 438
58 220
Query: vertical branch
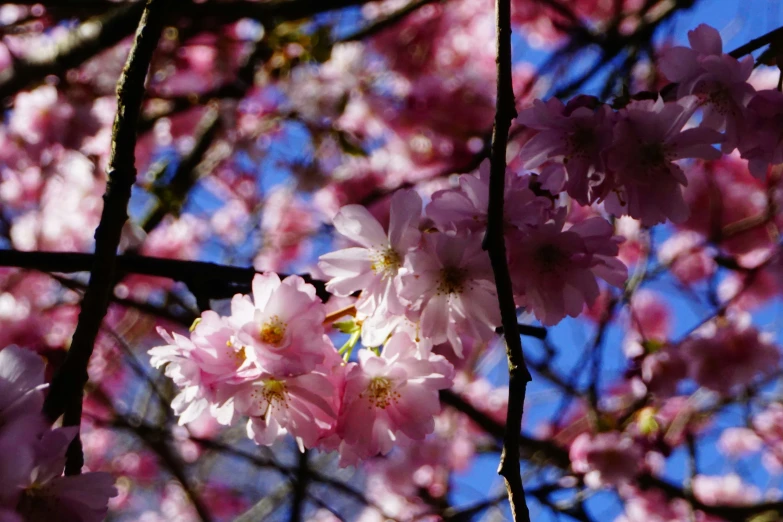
65 394
494 243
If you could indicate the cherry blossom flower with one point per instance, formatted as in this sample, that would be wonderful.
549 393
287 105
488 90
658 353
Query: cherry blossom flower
299 405
726 354
373 266
648 138
79 498
724 490
662 372
690 261
31 485
554 271
466 208
652 506
576 135
719 81
202 364
281 328
762 145
609 458
737 442
450 281
40 115
391 394
650 321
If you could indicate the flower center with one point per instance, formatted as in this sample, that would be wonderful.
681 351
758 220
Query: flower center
272 393
581 141
715 94
272 331
380 392
385 262
237 352
652 155
548 257
452 280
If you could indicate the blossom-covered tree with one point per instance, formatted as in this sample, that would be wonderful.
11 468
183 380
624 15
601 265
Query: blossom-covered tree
282 259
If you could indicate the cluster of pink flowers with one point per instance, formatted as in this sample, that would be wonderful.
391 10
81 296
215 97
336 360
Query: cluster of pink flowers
627 158
432 275
32 487
422 282
271 361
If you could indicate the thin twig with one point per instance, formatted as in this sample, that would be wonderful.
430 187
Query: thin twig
384 22
494 243
65 394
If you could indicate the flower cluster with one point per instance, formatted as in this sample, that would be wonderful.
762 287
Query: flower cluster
31 486
422 282
432 276
627 158
272 362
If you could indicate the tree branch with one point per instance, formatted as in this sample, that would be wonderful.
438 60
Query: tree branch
494 243
384 22
205 279
66 390
300 483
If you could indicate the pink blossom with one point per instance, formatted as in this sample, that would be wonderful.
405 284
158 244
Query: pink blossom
662 372
737 442
724 490
762 145
652 506
727 187
728 354
576 135
202 365
450 281
34 458
281 328
719 81
609 458
40 115
21 376
69 210
648 138
688 258
286 223
466 207
391 394
373 266
554 271
78 498
650 320
768 425
301 405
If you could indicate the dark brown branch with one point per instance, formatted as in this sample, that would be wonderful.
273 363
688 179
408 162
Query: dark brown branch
300 483
210 280
757 43
65 393
494 243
